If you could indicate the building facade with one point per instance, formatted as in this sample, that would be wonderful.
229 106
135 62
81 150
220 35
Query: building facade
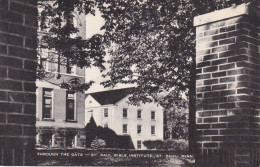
59 112
111 109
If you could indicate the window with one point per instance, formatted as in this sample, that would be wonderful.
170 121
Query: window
47 61
124 128
125 113
43 58
139 113
139 144
70 106
105 112
153 115
71 69
47 103
152 130
52 67
139 129
43 63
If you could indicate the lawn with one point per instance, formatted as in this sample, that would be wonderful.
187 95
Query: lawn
116 161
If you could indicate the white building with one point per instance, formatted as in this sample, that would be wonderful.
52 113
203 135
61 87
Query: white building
111 109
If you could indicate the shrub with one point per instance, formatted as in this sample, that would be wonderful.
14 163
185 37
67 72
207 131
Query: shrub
154 144
176 145
173 145
98 143
108 135
111 139
90 131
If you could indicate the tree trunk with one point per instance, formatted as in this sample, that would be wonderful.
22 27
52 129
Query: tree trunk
192 108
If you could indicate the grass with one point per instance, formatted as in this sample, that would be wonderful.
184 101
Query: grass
112 161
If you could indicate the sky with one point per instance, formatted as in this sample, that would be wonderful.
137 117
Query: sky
93 25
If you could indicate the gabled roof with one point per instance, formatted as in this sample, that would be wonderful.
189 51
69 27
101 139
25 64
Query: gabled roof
111 96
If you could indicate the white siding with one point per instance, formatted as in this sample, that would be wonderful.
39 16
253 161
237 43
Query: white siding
132 121
115 119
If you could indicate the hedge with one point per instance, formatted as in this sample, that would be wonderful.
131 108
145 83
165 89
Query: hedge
173 145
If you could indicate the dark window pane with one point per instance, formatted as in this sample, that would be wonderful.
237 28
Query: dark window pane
139 114
152 130
124 113
139 129
124 128
152 114
71 70
70 104
70 115
47 113
105 112
139 144
70 107
47 103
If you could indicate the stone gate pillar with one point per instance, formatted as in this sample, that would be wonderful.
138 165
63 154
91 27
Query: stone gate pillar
228 86
18 30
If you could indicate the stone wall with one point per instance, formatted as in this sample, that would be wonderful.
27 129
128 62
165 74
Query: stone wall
18 30
228 86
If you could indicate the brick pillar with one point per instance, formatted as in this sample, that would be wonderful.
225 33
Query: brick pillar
228 85
18 22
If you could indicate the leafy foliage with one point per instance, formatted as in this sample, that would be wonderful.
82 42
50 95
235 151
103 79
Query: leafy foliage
59 43
90 130
75 85
113 140
108 135
154 45
98 143
169 144
151 42
149 48
176 122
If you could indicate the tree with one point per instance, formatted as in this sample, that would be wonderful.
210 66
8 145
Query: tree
59 43
151 42
90 130
154 48
176 123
